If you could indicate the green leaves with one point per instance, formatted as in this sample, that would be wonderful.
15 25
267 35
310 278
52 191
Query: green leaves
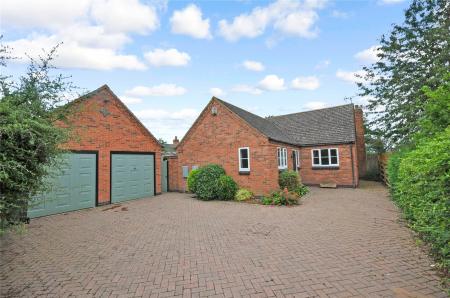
29 138
414 54
420 185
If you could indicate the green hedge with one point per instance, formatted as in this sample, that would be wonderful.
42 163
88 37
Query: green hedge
192 180
227 188
420 185
207 182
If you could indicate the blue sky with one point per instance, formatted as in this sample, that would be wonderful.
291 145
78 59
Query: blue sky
166 59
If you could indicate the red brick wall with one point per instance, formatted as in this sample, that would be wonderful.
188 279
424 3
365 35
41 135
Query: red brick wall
173 173
345 175
216 139
118 131
360 142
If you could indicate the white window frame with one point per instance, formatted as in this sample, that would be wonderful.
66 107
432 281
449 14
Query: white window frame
320 157
282 158
297 159
241 169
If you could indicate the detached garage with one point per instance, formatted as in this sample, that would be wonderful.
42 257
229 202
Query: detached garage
112 158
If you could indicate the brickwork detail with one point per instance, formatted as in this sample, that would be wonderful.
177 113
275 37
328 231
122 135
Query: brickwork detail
102 123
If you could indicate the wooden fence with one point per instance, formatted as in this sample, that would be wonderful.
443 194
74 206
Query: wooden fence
382 166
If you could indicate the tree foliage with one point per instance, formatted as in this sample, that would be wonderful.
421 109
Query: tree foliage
29 141
414 54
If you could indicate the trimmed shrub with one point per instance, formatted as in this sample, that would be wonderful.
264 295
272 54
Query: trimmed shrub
420 185
192 180
289 179
243 195
227 188
207 182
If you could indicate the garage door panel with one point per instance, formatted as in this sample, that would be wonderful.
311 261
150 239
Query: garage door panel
132 176
73 187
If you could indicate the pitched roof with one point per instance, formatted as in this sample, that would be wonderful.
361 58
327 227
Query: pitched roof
107 89
324 126
333 125
267 128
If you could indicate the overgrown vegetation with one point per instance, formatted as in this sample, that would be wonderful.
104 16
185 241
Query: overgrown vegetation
413 121
29 140
414 54
420 183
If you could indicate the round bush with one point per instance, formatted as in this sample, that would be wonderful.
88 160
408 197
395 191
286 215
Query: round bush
289 179
243 195
192 180
207 182
227 188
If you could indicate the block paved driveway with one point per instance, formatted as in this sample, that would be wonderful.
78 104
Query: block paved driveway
339 243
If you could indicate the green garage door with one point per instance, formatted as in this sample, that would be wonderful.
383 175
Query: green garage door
73 187
132 176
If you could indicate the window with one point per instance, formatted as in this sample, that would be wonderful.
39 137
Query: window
295 160
185 171
282 158
194 167
325 157
244 159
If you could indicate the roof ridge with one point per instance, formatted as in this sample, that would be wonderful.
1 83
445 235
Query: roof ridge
310 111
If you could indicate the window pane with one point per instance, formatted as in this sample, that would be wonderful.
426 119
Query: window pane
316 153
316 161
333 152
325 160
324 153
244 163
334 160
244 153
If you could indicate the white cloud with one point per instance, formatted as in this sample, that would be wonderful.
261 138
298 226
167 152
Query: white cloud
216 92
246 89
124 16
351 76
112 15
314 105
92 32
189 21
165 123
158 90
272 83
300 23
291 17
170 57
130 100
253 65
75 54
368 55
339 14
42 14
306 83
323 64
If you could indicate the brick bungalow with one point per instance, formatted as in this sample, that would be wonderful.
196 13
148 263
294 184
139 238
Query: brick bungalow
324 146
113 157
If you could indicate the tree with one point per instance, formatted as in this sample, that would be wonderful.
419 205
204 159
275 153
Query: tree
29 139
415 54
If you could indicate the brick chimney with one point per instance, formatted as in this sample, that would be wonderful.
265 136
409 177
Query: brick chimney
175 141
360 142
